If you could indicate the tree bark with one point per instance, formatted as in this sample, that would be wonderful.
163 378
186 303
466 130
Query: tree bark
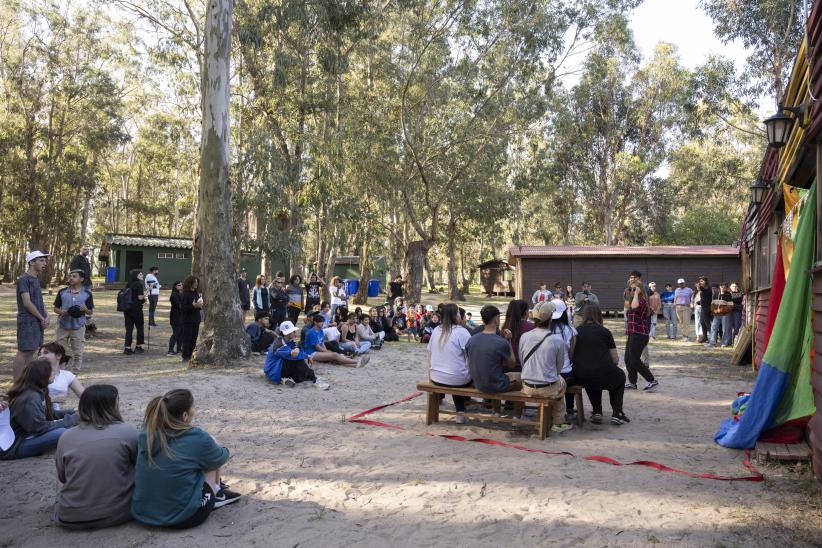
429 273
223 337
365 271
454 292
415 259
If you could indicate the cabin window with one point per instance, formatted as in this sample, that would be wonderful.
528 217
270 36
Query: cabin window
165 255
181 256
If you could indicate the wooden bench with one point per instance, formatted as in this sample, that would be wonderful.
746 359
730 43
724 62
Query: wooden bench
544 405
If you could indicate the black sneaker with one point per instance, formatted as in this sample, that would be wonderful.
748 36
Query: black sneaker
630 386
651 386
128 351
138 350
596 418
225 497
619 419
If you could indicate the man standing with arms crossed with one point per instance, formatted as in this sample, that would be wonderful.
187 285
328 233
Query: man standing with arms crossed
682 301
73 304
32 319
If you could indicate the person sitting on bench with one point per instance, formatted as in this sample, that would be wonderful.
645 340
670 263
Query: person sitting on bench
446 357
543 355
489 355
260 333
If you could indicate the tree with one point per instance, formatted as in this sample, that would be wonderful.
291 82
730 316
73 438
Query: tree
771 29
223 337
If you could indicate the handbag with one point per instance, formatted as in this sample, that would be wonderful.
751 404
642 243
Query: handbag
721 308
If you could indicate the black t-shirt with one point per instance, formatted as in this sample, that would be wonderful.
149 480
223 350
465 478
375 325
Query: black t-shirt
312 291
396 289
592 353
486 355
190 315
137 288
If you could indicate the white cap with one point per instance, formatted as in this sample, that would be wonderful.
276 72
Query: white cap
651 284
681 281
286 328
33 255
559 308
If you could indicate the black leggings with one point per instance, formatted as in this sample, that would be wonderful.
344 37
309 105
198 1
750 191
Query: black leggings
133 321
570 380
459 401
633 354
293 314
175 341
298 370
612 380
189 336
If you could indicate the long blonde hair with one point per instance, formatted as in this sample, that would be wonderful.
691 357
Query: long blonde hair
164 419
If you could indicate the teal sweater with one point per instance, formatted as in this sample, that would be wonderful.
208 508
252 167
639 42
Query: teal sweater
169 491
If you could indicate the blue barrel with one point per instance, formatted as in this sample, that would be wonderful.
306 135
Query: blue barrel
373 288
111 274
351 287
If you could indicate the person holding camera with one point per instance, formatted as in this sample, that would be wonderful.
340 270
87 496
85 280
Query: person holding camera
191 305
73 305
582 300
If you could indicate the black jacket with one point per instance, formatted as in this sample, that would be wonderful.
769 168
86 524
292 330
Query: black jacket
706 296
190 315
176 315
81 263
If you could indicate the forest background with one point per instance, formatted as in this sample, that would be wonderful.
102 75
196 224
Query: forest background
431 132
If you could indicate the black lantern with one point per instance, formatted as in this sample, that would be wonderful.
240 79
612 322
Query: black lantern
758 191
778 127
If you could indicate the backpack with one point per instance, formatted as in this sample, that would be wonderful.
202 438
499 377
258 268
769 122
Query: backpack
124 299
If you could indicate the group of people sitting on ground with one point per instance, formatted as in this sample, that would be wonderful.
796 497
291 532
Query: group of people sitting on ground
537 352
167 474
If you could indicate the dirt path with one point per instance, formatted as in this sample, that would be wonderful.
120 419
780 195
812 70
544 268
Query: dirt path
312 479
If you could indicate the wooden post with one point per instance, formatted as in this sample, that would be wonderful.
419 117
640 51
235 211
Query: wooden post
580 409
544 422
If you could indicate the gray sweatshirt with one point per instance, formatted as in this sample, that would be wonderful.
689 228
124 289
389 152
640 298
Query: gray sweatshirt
28 415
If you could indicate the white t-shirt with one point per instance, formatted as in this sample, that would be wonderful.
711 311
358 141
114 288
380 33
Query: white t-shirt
153 284
567 333
448 361
60 386
338 295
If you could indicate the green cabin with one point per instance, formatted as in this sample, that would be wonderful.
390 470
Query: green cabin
347 267
124 252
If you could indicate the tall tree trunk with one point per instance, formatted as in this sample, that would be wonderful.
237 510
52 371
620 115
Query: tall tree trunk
466 282
365 270
454 292
223 337
415 258
429 273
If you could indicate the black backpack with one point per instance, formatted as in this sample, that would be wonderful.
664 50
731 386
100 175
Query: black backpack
124 299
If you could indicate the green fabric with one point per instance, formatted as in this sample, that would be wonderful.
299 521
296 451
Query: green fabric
789 348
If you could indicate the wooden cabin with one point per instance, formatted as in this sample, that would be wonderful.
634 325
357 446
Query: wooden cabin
497 278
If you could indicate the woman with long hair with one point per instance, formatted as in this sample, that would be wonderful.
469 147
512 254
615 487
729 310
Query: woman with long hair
515 326
191 305
637 330
596 366
260 299
176 319
133 317
64 380
95 464
177 473
36 425
447 361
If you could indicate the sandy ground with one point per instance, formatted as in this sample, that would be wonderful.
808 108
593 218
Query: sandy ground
309 478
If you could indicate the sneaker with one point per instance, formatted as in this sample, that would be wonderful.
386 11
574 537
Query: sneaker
363 361
630 386
461 419
225 497
322 384
596 418
170 354
138 350
571 416
619 419
289 382
650 386
560 428
128 351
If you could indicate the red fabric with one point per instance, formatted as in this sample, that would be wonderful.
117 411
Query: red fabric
746 462
777 288
791 432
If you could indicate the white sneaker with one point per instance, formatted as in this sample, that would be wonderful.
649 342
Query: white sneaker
461 419
289 382
363 361
322 384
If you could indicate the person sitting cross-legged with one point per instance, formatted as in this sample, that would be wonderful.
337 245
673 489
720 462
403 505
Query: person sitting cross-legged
489 355
350 338
314 347
289 364
367 334
260 332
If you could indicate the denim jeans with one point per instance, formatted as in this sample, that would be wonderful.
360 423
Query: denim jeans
726 322
364 347
671 322
35 446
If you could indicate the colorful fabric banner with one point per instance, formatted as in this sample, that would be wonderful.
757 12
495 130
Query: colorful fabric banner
782 390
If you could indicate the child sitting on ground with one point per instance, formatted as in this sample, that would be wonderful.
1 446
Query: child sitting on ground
430 327
260 333
401 324
289 364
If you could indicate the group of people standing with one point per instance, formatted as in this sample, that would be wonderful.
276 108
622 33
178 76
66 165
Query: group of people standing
716 309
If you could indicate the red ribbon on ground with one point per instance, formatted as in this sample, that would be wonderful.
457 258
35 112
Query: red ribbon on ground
746 462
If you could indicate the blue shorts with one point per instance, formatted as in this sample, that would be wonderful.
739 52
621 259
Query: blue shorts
29 335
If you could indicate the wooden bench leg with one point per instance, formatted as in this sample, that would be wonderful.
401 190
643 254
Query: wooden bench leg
580 409
432 410
544 422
